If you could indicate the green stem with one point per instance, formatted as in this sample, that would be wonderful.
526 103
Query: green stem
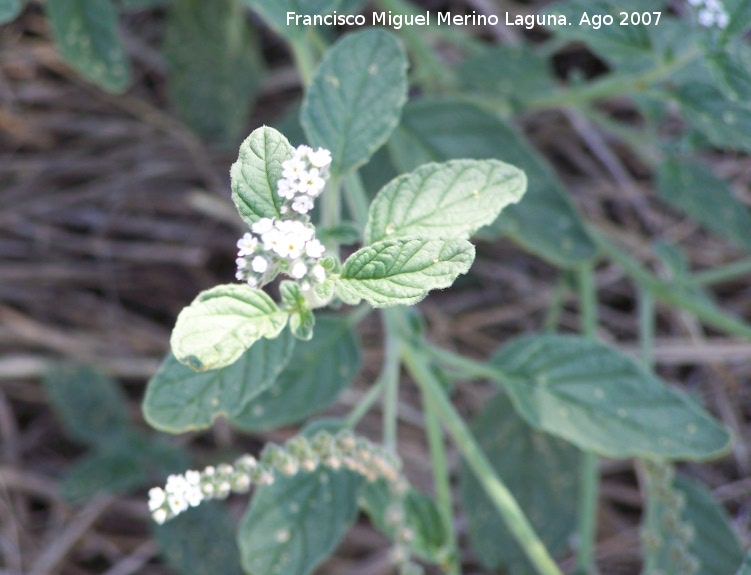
646 326
441 478
304 60
390 377
613 86
331 212
590 473
724 273
669 293
364 405
501 497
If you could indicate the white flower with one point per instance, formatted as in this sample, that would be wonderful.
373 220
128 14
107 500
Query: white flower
706 18
318 273
160 516
320 158
177 504
302 204
246 245
262 226
292 168
695 2
311 183
239 275
286 189
722 20
714 5
259 264
303 151
241 263
156 498
299 270
252 282
314 249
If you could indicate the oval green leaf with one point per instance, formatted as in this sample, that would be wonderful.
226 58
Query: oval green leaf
9 9
221 323
542 473
545 223
86 33
356 97
316 373
403 271
449 200
295 523
275 13
602 401
179 399
696 191
255 173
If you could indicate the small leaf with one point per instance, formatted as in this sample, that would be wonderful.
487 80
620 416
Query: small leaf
91 405
9 10
403 271
356 97
696 191
86 33
221 323
179 399
301 319
275 13
255 173
200 541
315 375
449 200
214 67
725 123
295 523
422 517
731 68
542 473
545 222
599 400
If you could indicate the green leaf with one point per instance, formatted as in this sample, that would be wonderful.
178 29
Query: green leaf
255 173
542 473
102 471
301 319
91 405
731 68
315 375
356 97
421 514
179 399
745 568
295 523
515 73
214 67
684 525
696 191
200 541
221 323
403 271
545 222
726 124
739 12
86 34
599 400
9 10
143 4
275 13
449 200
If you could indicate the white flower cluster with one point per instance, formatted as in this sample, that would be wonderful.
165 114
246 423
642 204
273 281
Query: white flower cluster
711 13
342 450
288 246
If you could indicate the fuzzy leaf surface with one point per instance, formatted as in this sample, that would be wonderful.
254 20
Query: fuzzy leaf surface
403 271
255 173
200 541
314 377
91 405
214 67
86 33
179 399
295 523
696 191
356 97
599 400
223 322
545 223
518 453
449 200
